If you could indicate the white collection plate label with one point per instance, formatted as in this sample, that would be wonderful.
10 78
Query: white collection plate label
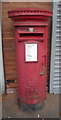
31 52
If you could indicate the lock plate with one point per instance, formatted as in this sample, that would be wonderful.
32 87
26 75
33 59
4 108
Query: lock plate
44 72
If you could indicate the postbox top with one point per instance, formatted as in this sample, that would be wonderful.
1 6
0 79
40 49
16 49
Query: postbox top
29 12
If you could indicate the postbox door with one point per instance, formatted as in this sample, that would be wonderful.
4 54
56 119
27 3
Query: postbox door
31 59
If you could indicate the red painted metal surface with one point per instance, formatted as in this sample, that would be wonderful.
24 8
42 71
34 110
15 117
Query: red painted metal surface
32 74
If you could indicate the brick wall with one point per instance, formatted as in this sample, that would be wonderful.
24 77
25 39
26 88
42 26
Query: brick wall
8 39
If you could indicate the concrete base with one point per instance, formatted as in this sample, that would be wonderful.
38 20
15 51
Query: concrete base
32 107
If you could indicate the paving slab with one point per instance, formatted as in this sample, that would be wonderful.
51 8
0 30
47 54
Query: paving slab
50 109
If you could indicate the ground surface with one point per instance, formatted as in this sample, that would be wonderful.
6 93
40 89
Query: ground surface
49 110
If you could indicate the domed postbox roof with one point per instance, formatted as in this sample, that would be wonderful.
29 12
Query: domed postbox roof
29 11
30 14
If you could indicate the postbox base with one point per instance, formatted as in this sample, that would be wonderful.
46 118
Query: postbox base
32 107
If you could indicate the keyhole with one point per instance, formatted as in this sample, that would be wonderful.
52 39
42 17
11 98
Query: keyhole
42 63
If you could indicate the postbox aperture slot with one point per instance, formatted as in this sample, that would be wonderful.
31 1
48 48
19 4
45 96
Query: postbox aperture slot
31 35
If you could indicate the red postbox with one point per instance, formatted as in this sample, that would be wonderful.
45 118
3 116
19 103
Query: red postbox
31 34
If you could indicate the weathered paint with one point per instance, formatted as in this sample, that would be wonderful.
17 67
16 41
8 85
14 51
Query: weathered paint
31 74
